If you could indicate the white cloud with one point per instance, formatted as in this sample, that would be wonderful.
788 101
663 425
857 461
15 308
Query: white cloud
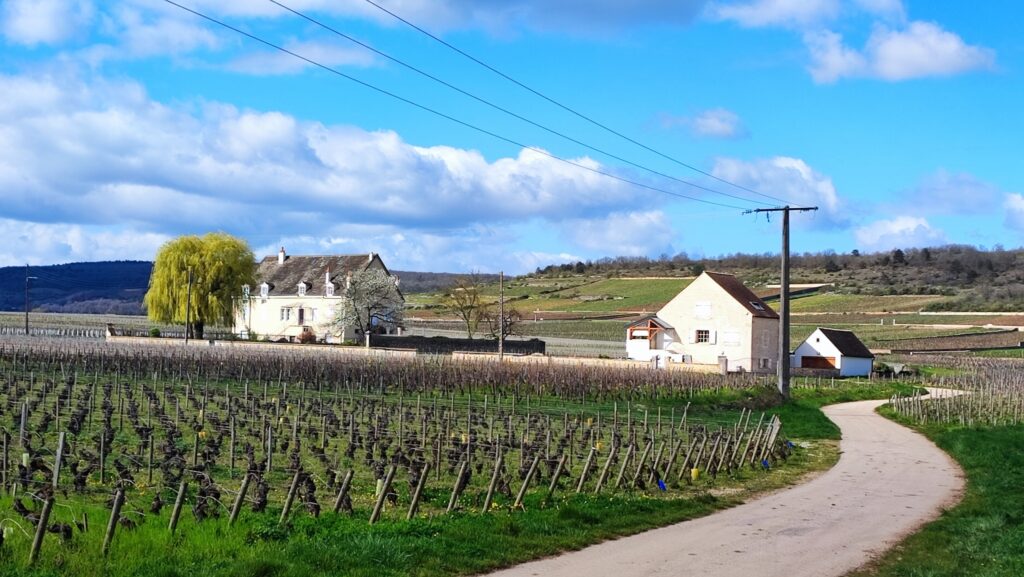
789 13
922 49
1014 205
37 244
789 179
33 22
711 123
104 155
622 233
899 232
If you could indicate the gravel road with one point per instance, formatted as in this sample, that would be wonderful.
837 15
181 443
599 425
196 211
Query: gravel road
888 482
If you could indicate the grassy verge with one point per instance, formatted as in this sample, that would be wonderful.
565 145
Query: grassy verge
984 534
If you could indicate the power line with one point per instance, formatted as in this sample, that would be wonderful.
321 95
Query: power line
566 107
446 116
505 110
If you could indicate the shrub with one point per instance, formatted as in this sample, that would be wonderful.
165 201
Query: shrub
307 337
154 332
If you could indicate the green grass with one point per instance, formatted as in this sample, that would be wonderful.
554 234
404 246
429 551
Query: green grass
984 534
847 303
1012 353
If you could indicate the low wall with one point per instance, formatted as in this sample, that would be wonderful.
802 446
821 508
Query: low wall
335 350
448 345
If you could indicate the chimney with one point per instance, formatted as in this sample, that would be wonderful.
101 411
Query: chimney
281 256
372 255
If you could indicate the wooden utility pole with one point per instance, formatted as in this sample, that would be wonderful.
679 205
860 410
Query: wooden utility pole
27 307
501 316
783 368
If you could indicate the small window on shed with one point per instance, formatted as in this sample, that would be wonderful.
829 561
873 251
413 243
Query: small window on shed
757 306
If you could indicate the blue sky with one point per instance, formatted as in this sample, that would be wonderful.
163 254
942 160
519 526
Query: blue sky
127 123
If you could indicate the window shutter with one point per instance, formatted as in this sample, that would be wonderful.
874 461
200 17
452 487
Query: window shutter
693 337
713 337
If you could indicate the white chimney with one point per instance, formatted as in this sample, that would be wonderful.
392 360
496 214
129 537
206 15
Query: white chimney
280 256
372 254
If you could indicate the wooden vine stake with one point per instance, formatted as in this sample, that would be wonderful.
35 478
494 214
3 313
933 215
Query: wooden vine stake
526 482
457 487
176 511
586 469
379 505
289 498
345 483
414 505
236 508
37 541
494 478
115 516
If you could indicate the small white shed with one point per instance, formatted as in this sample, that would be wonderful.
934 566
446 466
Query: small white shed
836 350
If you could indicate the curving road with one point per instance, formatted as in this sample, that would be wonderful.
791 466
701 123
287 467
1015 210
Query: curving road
888 482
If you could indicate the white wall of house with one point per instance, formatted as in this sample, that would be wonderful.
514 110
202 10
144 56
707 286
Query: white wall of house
286 316
818 345
709 323
644 349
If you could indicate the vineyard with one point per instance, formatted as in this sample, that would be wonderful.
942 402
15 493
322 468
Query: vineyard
99 441
977 393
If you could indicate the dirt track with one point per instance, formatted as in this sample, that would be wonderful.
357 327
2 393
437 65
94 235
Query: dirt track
888 482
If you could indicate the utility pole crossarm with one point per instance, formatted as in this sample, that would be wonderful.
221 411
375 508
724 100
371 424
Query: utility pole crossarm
783 368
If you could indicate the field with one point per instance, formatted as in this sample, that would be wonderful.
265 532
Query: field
308 455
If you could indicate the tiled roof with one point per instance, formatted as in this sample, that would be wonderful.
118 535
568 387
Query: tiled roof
847 343
650 318
284 278
743 295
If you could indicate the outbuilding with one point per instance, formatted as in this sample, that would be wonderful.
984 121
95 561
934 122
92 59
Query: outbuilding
834 349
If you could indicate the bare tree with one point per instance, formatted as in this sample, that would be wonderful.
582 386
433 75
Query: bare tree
465 301
492 321
372 300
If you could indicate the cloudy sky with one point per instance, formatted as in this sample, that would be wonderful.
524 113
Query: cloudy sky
123 124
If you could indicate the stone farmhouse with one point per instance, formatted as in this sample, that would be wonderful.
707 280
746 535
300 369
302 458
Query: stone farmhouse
296 294
716 320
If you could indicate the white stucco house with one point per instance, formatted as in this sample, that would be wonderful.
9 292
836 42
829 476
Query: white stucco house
833 349
294 294
714 320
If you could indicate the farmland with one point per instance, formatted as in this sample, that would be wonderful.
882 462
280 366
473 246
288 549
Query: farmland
306 452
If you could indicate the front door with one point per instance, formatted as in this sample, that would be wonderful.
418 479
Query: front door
302 317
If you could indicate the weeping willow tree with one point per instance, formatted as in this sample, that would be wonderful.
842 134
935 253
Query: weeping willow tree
219 265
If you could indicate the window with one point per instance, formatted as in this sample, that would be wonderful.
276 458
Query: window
757 306
702 310
302 289
703 336
639 334
764 363
329 289
264 290
286 314
245 291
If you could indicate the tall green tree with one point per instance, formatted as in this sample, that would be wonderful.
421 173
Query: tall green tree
219 263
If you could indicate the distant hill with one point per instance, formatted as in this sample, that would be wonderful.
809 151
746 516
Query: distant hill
978 279
117 287
111 287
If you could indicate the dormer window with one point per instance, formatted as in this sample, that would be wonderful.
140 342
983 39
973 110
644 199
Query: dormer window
757 306
264 290
245 291
329 289
302 289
